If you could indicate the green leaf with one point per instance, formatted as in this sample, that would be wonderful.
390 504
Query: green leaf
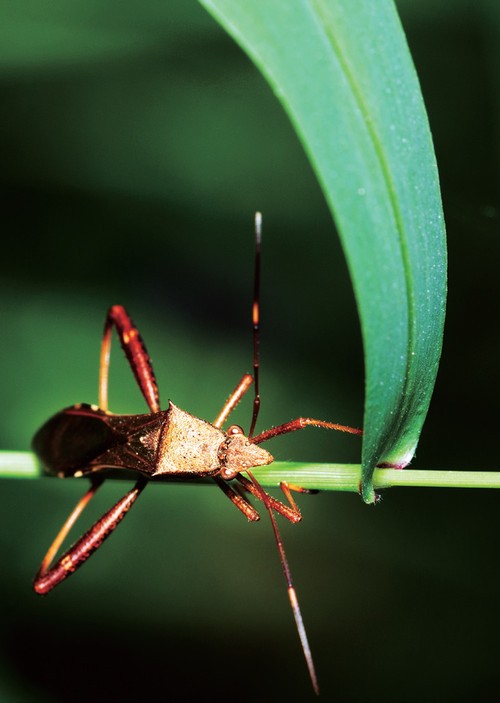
343 73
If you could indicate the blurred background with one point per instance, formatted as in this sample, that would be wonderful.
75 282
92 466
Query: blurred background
137 142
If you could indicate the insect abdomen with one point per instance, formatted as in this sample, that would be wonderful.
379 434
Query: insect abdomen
71 440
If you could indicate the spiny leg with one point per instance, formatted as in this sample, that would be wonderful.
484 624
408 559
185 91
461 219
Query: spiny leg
299 424
287 489
63 532
291 513
292 594
48 577
137 356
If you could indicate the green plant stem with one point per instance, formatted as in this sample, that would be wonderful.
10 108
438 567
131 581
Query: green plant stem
346 477
19 465
326 477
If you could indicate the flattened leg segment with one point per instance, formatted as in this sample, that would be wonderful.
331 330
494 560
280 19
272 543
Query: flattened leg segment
137 356
47 578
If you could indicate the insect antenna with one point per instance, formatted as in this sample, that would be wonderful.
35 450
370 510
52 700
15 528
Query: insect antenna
292 594
256 322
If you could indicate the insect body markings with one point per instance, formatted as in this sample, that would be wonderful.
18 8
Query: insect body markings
90 441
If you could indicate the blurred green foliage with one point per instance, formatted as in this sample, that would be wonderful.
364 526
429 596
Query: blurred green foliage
137 142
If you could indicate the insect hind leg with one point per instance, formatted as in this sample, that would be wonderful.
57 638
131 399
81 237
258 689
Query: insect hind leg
49 577
137 356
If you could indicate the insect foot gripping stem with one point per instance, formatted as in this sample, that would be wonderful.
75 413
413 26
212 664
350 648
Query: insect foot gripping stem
237 453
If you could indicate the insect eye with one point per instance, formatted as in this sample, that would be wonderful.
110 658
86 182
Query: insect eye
234 429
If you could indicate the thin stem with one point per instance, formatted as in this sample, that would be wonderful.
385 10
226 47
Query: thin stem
19 465
347 477
325 477
385 478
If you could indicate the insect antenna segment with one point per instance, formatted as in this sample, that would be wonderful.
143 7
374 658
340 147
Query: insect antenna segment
292 593
266 499
256 322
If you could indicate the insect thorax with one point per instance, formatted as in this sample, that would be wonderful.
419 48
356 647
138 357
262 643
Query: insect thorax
188 446
192 447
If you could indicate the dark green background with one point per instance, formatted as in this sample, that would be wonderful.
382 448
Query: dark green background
137 141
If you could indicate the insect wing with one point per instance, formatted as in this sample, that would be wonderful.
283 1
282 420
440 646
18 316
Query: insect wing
83 439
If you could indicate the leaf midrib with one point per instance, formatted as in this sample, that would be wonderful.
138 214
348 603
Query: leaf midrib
323 26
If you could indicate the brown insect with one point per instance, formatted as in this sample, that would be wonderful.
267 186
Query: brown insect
88 440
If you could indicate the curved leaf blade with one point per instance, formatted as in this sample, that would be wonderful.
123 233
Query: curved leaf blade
343 73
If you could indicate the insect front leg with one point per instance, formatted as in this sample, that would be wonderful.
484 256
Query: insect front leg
137 356
48 577
299 424
238 500
233 400
290 512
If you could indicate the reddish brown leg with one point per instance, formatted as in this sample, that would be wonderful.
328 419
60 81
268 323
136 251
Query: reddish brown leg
137 356
287 489
230 404
299 424
48 577
248 510
233 399
291 513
